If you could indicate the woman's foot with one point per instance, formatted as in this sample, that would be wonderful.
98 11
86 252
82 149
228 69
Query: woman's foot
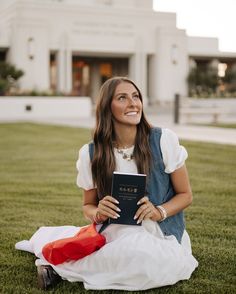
47 277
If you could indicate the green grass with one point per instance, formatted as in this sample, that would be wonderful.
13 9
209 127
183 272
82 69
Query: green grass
37 180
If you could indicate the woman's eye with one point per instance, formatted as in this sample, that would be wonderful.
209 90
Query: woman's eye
136 96
121 98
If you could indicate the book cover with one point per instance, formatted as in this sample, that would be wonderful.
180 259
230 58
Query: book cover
128 189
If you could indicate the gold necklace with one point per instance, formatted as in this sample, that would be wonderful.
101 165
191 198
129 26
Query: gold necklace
125 155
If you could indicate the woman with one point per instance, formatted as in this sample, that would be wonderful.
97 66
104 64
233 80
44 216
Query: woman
158 252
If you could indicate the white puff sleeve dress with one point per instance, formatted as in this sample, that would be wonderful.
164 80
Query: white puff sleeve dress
134 257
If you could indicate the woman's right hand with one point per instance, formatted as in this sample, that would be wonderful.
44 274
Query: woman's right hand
107 208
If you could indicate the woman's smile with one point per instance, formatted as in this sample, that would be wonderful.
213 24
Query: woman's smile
131 113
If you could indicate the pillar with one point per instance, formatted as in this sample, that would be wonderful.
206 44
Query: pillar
138 69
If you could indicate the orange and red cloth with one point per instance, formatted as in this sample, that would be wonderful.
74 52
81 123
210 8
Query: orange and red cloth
85 242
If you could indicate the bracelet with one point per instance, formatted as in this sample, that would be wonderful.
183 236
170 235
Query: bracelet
96 218
162 212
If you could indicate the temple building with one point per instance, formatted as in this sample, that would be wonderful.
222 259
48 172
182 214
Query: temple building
73 46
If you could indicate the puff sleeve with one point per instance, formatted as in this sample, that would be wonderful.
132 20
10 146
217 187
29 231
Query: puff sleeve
174 155
83 165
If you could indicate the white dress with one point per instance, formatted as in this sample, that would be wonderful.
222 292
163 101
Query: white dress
134 257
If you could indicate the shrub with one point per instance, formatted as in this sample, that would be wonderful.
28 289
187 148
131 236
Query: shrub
9 75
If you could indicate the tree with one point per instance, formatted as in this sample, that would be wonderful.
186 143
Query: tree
230 79
9 75
202 81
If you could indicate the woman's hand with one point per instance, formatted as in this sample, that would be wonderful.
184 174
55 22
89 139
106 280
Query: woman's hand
147 211
107 208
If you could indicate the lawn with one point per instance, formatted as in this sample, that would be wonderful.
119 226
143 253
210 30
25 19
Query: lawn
37 180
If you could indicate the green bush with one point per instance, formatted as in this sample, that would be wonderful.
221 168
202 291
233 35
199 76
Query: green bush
9 75
202 81
230 79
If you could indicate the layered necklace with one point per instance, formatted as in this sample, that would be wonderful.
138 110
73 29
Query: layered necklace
125 155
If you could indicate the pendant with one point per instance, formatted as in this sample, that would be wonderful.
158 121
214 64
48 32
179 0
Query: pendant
125 156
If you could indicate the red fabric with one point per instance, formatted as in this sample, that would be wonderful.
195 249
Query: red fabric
86 241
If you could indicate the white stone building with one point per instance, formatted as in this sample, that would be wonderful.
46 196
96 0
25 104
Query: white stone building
72 46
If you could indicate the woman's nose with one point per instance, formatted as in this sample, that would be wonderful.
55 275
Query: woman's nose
132 101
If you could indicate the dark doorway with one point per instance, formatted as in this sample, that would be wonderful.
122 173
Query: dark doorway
89 73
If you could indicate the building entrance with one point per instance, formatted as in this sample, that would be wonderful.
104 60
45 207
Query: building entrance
89 73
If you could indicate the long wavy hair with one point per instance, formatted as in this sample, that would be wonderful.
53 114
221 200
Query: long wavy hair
103 163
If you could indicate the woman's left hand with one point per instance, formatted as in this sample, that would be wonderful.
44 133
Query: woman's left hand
146 210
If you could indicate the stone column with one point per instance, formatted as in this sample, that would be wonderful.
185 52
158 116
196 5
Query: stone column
64 65
170 67
61 70
138 69
68 72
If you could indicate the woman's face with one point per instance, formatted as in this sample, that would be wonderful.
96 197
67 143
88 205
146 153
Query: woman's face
126 105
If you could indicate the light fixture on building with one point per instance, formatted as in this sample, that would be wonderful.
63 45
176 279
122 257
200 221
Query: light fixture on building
174 54
31 47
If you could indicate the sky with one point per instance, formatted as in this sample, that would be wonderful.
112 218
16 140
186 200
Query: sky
205 18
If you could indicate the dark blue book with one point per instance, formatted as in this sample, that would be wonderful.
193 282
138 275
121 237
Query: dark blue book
128 189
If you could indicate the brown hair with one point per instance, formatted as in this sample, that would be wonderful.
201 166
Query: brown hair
103 163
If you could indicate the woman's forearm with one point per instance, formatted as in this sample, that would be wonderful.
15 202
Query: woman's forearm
178 203
183 197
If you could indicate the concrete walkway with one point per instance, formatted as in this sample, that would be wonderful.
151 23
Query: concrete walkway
187 132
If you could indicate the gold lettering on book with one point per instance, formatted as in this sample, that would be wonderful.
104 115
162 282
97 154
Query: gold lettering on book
128 189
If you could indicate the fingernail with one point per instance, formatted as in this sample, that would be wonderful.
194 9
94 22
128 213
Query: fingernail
118 209
116 201
138 202
117 215
114 216
135 217
139 221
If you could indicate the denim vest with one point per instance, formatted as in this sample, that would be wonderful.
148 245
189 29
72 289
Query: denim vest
159 187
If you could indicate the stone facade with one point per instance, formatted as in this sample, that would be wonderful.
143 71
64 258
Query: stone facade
72 46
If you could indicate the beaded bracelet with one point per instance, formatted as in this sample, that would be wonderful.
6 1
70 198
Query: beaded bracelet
162 212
